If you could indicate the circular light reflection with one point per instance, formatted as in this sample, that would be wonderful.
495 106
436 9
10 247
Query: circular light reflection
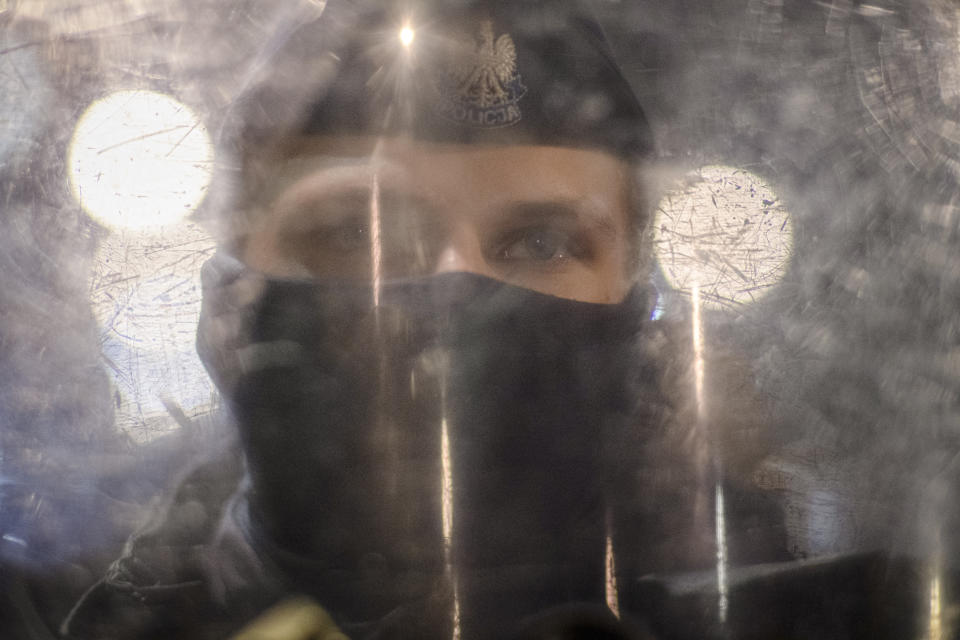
725 230
145 292
139 159
406 36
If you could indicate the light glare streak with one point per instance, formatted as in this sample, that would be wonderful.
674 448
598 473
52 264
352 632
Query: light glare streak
456 614
938 627
720 525
698 356
446 502
446 495
723 598
935 629
612 593
406 36
376 249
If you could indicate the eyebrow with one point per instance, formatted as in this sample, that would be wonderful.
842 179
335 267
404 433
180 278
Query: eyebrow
344 188
579 211
351 198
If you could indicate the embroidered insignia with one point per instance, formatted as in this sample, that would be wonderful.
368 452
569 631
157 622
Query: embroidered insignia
478 83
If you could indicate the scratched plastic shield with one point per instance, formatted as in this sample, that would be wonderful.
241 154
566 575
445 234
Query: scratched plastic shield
780 452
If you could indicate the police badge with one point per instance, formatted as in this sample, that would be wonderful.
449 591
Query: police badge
478 84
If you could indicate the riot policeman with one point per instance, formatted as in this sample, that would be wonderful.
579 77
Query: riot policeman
429 324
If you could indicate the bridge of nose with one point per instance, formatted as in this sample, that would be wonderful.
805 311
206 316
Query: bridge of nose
461 251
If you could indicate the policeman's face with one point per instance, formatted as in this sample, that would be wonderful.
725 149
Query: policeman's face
552 219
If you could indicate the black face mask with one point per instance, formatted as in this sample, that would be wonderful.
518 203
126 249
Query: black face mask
359 421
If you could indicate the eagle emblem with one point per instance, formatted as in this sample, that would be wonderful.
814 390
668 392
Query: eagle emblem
478 83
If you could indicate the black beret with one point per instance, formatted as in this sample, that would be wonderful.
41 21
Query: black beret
481 72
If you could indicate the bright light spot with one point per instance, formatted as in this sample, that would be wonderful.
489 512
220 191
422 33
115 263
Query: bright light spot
139 159
725 230
406 36
145 293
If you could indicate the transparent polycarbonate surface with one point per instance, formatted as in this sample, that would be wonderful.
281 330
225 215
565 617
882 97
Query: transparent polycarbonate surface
798 259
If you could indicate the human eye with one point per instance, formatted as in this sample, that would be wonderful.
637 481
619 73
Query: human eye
539 245
343 236
329 238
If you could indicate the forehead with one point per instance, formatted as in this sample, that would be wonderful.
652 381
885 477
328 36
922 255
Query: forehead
465 176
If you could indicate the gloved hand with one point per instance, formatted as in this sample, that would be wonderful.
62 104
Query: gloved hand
294 619
229 289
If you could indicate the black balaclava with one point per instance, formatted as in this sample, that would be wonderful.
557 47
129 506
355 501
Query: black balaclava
358 420
437 459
